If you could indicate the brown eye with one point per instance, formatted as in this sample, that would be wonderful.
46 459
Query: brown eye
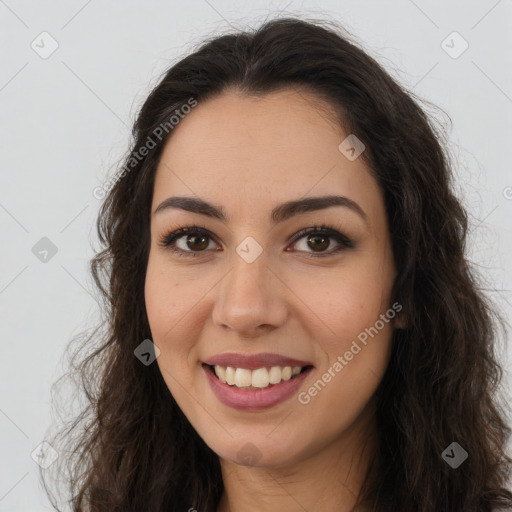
190 241
318 239
187 241
197 242
318 242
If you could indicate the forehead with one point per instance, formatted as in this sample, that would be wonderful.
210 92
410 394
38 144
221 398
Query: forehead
239 150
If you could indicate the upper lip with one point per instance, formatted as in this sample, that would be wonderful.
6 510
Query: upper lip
254 361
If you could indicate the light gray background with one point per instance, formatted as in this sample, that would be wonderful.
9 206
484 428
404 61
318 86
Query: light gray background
65 122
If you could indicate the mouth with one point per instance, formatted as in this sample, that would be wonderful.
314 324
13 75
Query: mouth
256 379
234 386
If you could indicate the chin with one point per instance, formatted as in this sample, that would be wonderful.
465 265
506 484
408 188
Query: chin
254 451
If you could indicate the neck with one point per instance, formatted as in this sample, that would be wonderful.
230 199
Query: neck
329 480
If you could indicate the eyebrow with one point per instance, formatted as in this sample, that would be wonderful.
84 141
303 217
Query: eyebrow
281 213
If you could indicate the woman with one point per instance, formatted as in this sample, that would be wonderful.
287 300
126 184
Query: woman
293 324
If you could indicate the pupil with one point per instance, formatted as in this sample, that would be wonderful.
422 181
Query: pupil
194 238
317 238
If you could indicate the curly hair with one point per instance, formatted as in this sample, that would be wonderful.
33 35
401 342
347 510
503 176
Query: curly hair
137 451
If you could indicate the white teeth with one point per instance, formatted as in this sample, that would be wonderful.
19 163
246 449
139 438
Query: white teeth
220 371
230 376
275 375
286 373
242 378
260 378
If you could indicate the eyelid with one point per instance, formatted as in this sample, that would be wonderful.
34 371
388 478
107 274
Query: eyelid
168 240
171 236
323 229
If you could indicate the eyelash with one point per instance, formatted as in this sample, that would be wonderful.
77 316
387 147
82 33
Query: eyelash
168 240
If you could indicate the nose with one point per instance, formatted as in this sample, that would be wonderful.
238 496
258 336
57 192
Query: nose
251 299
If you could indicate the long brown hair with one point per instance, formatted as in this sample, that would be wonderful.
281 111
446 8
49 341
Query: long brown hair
132 449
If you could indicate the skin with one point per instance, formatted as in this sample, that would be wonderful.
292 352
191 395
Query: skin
248 155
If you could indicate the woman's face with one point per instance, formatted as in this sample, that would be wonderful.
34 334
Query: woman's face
247 293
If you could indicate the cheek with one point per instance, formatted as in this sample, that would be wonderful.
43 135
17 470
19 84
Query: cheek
168 300
166 308
346 302
177 312
355 356
173 293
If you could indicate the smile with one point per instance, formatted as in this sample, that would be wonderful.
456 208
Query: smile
261 378
254 381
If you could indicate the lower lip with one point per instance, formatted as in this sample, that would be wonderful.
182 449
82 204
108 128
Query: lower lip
254 398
